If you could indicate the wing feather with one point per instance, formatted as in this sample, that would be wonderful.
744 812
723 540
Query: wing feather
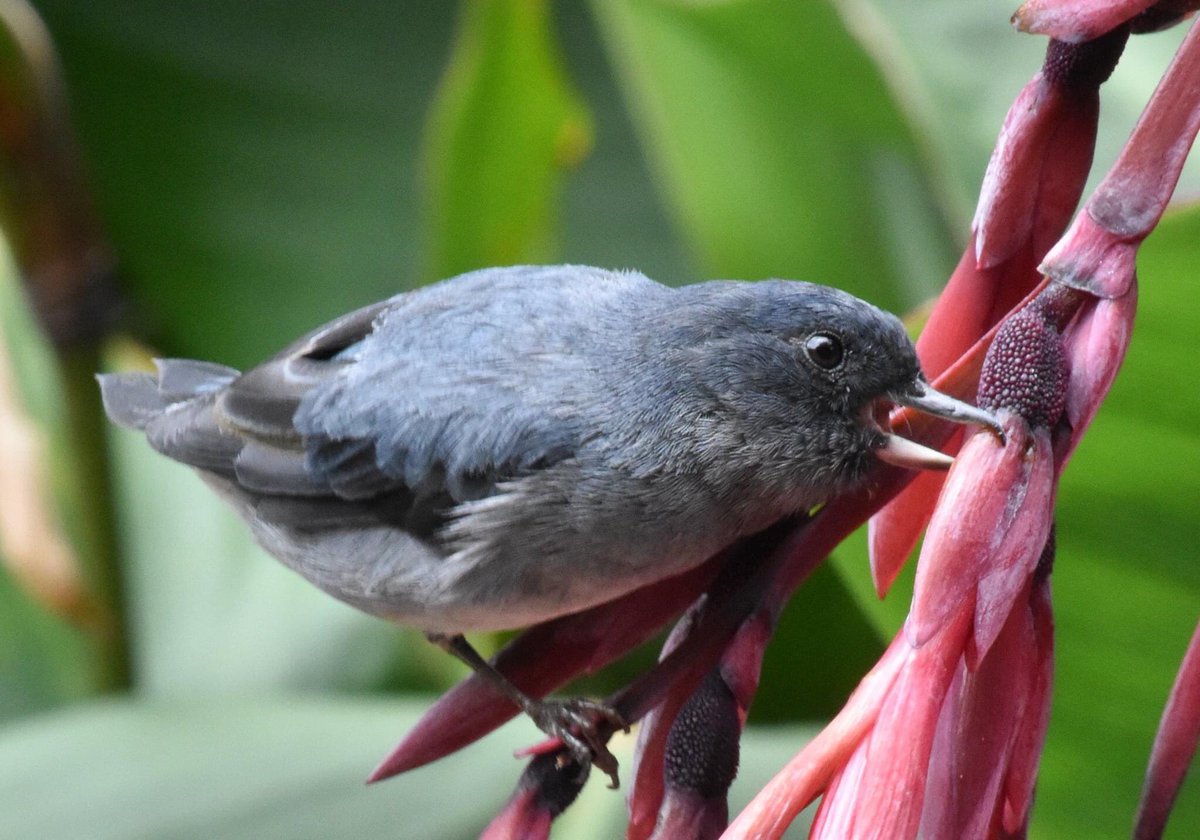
401 410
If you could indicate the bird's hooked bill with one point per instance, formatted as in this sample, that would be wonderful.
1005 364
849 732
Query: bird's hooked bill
924 398
902 452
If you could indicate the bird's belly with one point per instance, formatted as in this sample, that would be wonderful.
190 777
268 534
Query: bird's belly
391 574
531 576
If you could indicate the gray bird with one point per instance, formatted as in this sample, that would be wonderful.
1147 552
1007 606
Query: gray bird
519 443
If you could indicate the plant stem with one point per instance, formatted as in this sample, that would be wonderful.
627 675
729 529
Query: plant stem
92 528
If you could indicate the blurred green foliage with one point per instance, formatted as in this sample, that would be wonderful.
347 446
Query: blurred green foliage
504 126
263 167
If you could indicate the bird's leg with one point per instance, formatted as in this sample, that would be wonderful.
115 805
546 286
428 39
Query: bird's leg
575 721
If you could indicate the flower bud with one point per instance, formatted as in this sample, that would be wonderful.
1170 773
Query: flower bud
545 790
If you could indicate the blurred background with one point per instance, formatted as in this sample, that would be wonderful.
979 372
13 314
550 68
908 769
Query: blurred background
247 171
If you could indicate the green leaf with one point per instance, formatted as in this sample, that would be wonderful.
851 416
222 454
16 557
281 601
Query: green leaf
43 662
778 145
255 163
288 768
284 768
503 128
261 167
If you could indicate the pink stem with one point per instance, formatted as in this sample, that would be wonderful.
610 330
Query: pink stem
1133 195
1174 746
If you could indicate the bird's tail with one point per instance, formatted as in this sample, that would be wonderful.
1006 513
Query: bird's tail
175 410
134 400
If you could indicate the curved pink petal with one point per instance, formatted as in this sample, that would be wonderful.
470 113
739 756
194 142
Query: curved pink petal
1076 20
1038 170
1174 747
980 501
808 773
891 792
1095 346
1022 538
1031 733
1090 258
1135 191
1097 253
741 666
835 815
942 778
978 734
646 793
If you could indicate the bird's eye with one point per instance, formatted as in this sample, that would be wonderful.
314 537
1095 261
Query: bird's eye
825 350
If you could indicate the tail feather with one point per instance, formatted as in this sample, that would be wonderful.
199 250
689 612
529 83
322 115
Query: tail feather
131 399
182 379
174 409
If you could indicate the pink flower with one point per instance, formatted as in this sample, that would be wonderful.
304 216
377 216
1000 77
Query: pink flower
1082 20
687 752
544 791
1032 185
943 738
939 754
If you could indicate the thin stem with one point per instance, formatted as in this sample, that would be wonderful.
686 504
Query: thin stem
93 530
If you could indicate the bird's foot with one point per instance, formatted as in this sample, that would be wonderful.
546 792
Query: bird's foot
583 726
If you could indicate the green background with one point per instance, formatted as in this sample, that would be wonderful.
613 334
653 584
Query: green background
262 167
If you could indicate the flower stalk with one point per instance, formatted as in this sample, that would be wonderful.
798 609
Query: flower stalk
982 597
1174 747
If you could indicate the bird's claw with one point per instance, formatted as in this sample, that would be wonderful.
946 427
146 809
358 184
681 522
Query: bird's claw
579 724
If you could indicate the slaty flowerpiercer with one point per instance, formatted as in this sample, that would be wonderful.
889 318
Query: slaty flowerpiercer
519 443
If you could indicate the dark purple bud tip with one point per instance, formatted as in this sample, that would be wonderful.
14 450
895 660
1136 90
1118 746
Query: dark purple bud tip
1025 370
1084 66
1162 15
556 780
702 748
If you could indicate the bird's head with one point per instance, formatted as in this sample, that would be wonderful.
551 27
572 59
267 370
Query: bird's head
810 371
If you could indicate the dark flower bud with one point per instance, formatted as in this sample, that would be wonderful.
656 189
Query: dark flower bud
702 749
1025 370
546 788
1085 65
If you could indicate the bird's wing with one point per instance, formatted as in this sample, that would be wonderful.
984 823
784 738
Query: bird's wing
259 409
406 408
428 400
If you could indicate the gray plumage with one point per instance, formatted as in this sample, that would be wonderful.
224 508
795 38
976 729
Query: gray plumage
519 443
